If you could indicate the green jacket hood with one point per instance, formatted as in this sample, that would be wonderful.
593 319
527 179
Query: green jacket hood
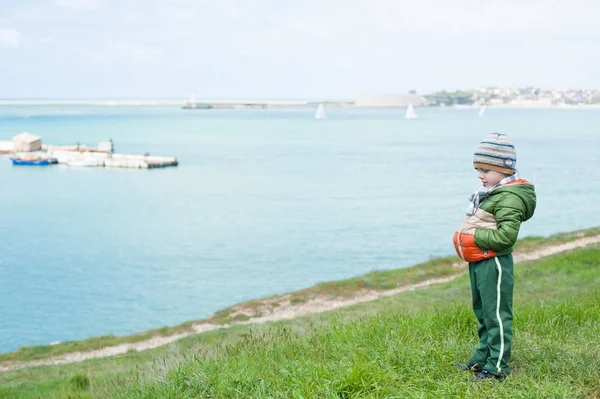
525 191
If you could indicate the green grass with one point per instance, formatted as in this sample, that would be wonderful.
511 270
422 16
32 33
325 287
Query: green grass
376 280
408 347
44 351
396 354
398 346
533 242
381 280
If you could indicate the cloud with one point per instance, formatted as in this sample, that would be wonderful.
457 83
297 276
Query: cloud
9 38
123 53
77 4
309 47
139 53
177 14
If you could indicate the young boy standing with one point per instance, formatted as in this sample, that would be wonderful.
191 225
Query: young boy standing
485 239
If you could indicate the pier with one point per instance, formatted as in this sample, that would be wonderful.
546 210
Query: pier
263 104
83 155
109 160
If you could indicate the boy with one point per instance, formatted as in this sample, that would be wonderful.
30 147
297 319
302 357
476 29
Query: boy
485 239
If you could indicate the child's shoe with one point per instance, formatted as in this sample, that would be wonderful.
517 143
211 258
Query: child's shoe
487 376
469 366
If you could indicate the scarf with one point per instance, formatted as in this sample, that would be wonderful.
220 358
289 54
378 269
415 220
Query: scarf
480 195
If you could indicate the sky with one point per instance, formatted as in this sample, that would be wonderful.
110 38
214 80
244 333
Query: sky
329 49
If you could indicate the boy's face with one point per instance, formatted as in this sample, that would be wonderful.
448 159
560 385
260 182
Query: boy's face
489 178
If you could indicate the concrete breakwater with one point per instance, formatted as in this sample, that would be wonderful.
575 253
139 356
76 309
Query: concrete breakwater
28 146
89 158
264 105
362 101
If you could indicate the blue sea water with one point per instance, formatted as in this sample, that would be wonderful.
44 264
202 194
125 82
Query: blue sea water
263 202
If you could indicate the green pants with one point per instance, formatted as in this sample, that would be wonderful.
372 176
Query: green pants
492 283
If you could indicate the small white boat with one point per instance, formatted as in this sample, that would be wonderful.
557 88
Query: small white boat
410 112
482 110
320 114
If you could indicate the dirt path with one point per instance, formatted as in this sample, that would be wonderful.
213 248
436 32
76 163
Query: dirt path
286 310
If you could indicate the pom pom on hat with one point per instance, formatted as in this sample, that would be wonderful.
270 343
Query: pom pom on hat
496 152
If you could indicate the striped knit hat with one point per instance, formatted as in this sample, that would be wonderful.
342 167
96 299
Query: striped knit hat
496 152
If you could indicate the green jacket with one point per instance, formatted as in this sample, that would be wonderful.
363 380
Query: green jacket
511 205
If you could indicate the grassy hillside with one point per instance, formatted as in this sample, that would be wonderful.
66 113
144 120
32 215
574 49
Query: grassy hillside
381 280
398 352
399 346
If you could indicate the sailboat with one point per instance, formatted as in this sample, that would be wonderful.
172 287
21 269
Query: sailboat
482 110
410 112
320 114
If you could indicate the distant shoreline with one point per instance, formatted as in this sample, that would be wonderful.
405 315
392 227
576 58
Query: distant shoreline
237 103
113 102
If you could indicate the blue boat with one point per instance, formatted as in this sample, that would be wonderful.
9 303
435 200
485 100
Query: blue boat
35 162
